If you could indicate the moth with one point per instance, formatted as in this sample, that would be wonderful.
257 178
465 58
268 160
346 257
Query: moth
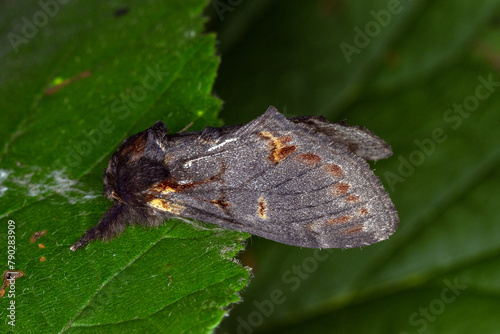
300 181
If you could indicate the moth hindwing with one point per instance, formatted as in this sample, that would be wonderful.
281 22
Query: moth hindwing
301 181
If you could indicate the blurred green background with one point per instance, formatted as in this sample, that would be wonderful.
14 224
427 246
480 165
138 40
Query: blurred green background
422 75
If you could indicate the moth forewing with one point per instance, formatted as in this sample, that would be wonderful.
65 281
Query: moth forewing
300 181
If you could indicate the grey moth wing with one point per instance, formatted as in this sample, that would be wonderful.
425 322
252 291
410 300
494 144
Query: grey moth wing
275 178
301 181
358 139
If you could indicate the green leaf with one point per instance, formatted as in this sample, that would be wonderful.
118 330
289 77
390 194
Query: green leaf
439 272
76 79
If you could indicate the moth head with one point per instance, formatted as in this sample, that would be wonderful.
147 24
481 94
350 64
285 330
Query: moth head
136 165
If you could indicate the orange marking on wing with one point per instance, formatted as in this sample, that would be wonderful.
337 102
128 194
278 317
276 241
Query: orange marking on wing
335 170
166 186
220 203
341 188
284 152
164 205
363 211
278 149
354 229
172 185
284 139
340 220
352 198
309 158
262 210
